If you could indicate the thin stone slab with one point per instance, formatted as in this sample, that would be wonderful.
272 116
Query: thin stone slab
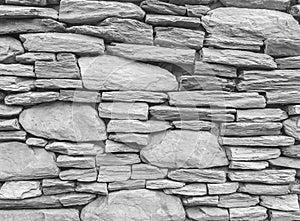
283 203
12 135
282 47
148 53
18 70
21 12
283 97
20 190
79 96
191 2
124 111
95 188
207 213
237 200
261 115
135 96
264 176
27 2
264 141
218 70
293 110
16 84
36 142
118 30
253 213
238 58
32 57
288 62
201 201
72 122
291 151
173 21
178 37
158 7
163 112
263 189
281 5
195 189
242 129
76 199
252 154
147 172
256 165
81 175
130 138
292 127
114 73
288 162
198 175
115 147
63 42
163 184
37 164
127 185
57 186
89 12
10 111
216 99
197 10
75 162
9 124
109 159
31 98
9 49
283 215
195 125
18 26
222 188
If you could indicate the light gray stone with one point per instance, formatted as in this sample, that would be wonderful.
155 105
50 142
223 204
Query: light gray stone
201 201
114 73
283 97
261 115
79 96
218 70
16 84
146 172
222 188
63 42
32 57
144 204
282 47
256 165
37 164
9 49
238 58
58 83
197 10
281 5
57 186
265 141
130 138
114 173
160 7
163 184
81 175
288 162
109 159
89 12
20 190
173 21
237 200
27 2
76 199
21 12
9 124
293 110
191 2
253 153
288 62
253 213
18 70
195 189
75 162
135 96
72 122
95 188
127 185
263 189
197 175
36 142
292 127
9 111
12 135
291 151
115 147
281 215
31 98
217 99
284 203
295 10
207 213
195 125
263 176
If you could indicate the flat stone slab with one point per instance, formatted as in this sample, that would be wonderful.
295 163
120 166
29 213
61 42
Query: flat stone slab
31 98
198 175
18 70
32 57
58 83
292 127
127 185
81 175
218 70
211 201
280 5
9 49
20 189
108 159
135 96
282 47
79 96
207 213
194 189
145 171
288 162
248 214
75 162
114 173
252 154
263 189
283 97
157 7
21 12
261 115
222 188
236 200
171 20
291 151
283 203
288 62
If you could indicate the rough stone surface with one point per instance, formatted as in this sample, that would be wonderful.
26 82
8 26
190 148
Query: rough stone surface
163 184
75 162
58 84
96 188
286 162
283 97
252 154
16 69
117 159
114 173
195 125
31 98
266 141
127 185
281 5
196 175
263 189
173 21
21 12
9 111
292 127
79 96
207 213
222 188
197 10
253 213
32 57
16 84
135 96
9 49
281 47
75 149
237 200
261 115
189 190
20 190
218 70
158 7
288 62
237 165
145 171
284 203
201 201
291 151
81 175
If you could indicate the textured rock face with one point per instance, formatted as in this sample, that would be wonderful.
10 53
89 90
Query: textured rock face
11 11
281 5
73 122
292 127
9 48
144 205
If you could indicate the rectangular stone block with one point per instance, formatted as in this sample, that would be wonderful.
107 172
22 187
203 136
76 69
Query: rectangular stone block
261 115
282 47
288 63
253 153
109 159
215 70
283 97
171 20
264 141
135 96
198 175
114 173
79 96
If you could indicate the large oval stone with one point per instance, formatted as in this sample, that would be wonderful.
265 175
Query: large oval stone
64 121
137 205
184 149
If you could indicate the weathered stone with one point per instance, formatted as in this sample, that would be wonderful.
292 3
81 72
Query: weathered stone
115 147
21 12
195 125
27 2
64 121
207 213
58 83
9 124
118 30
295 10
12 135
130 138
19 70
268 80
173 21
119 110
76 199
57 190
57 186
288 63
282 47
81 175
37 164
266 141
109 159
201 201
146 172
222 188
284 203
79 96
236 200
217 99
254 24
63 42
280 215
136 126
291 151
292 127
254 213
184 149
262 189
250 129
16 84
239 59
240 165
195 189
218 70
40 215
178 37
9 111
31 98
191 2
148 53
75 149
206 83
32 57
135 96
286 162
196 175
159 7
114 173
36 142
250 154
263 176
96 188
283 97
127 185
20 190
163 112
144 204
75 162
261 115
293 110
114 73
163 184
281 5
197 10
88 12
16 26
9 49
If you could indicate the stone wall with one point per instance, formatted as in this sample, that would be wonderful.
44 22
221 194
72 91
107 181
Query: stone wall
130 110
